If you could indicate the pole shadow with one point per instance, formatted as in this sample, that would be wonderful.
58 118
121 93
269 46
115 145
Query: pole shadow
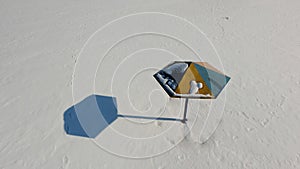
150 118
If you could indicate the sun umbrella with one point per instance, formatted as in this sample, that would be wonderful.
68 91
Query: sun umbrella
197 80
186 79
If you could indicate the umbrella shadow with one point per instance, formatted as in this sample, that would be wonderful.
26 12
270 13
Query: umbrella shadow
93 114
90 116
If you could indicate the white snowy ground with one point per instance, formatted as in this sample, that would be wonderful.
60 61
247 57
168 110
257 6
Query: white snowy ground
258 43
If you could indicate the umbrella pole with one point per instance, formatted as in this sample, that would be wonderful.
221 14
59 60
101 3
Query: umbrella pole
185 110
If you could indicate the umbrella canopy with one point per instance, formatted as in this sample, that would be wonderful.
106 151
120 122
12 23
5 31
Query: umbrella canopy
185 79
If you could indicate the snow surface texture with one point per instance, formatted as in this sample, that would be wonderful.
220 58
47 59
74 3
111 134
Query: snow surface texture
258 43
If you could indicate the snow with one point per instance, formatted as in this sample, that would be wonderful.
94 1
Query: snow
258 47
